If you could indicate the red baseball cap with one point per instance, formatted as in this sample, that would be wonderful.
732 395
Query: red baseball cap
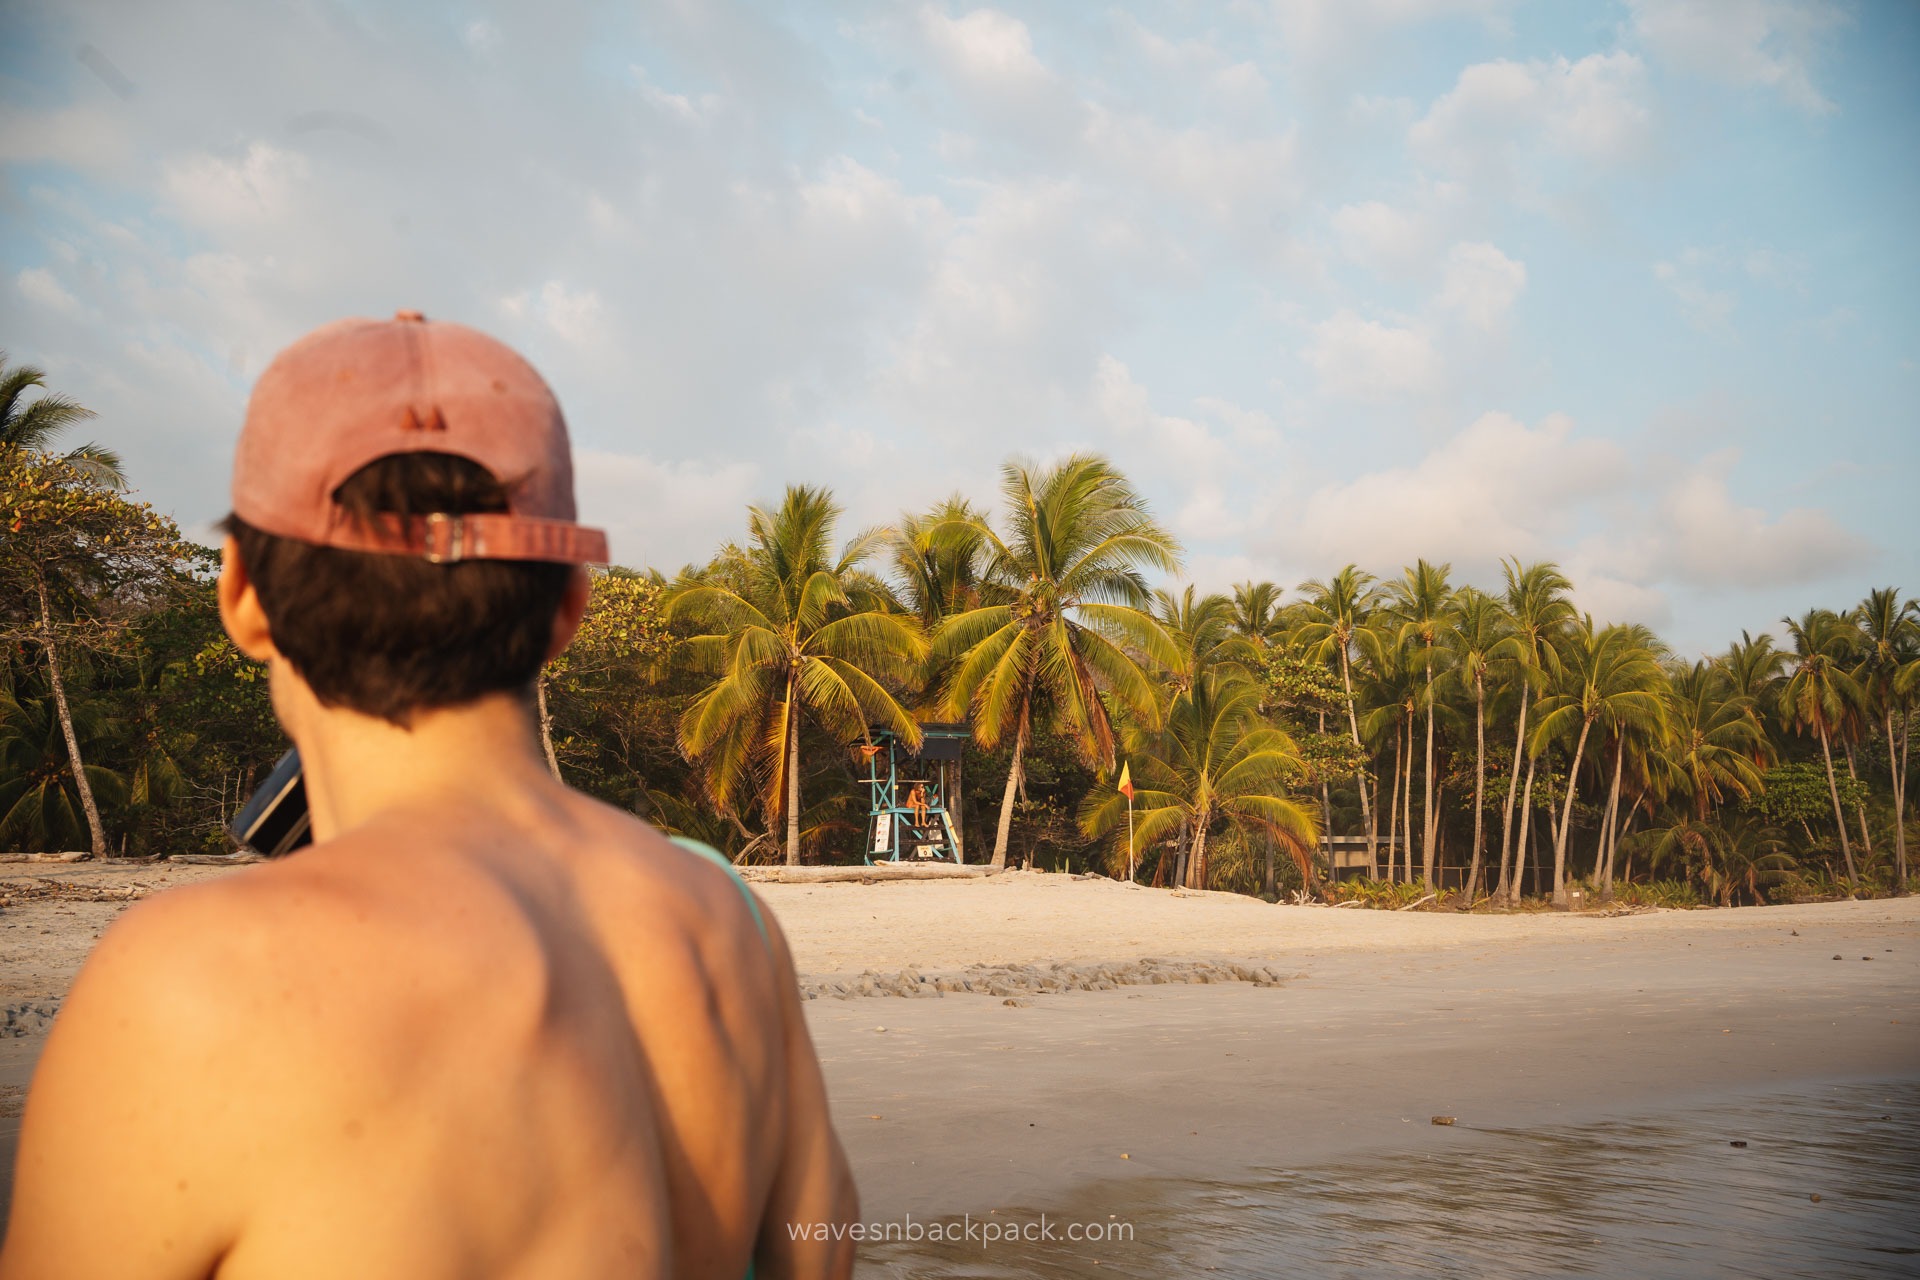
357 390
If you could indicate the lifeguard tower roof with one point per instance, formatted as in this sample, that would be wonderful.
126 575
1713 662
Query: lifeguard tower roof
941 742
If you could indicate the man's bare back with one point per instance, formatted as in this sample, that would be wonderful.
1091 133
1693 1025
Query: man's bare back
485 1026
490 1047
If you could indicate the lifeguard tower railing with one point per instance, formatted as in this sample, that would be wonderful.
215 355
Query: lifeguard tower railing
898 829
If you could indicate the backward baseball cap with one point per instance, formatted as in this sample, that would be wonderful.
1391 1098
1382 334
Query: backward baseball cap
355 391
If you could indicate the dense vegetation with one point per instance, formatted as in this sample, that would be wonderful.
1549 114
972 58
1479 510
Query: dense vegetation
1468 742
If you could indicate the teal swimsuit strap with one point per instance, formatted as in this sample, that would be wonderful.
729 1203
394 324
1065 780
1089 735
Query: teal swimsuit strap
725 863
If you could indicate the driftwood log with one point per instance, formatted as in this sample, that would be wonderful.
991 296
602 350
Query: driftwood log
864 875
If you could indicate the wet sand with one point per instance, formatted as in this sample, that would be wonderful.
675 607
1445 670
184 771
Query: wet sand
966 1104
1317 1034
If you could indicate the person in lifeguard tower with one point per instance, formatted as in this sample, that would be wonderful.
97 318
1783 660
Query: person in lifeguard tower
917 804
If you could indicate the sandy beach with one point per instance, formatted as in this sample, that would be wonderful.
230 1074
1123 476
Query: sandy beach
1230 1035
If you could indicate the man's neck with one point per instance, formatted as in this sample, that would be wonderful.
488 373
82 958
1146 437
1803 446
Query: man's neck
358 766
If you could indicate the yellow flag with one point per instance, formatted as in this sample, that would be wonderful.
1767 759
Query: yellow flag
1126 782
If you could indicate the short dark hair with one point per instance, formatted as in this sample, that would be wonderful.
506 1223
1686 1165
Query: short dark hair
389 635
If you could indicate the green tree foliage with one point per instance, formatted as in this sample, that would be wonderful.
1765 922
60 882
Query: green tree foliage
78 562
722 705
1213 763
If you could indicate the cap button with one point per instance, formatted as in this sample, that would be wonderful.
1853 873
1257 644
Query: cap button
409 317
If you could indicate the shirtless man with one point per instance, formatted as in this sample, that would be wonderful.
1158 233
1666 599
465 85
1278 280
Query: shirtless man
485 1026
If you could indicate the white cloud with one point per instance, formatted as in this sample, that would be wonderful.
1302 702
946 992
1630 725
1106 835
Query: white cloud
577 316
1386 240
482 36
662 514
1198 459
1705 538
1481 284
90 136
1498 488
1320 30
1707 309
1500 118
986 47
1755 43
41 286
1372 362
259 186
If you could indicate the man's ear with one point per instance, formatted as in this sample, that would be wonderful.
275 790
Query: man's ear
573 606
240 611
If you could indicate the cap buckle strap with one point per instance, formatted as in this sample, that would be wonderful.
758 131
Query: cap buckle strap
454 541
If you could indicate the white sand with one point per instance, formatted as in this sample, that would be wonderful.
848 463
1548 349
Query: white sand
1385 1018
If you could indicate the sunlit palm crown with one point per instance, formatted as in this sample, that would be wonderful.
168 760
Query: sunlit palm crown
1078 542
786 623
1213 757
31 424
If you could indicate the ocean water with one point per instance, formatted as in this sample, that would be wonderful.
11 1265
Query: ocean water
1654 1195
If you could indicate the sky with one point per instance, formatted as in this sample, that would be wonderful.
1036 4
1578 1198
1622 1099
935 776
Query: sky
1630 286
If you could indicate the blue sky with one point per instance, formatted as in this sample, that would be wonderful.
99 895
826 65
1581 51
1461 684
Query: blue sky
1630 286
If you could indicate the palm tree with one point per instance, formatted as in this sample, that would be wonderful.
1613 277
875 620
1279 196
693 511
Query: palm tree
1751 669
1725 857
1333 619
1819 694
1890 673
1419 603
1538 610
1609 677
1713 741
29 426
1257 615
1078 537
41 804
937 558
1478 634
1214 761
1643 733
1203 635
1392 696
791 629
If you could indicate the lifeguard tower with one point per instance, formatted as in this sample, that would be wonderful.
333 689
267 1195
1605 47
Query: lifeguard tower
897 830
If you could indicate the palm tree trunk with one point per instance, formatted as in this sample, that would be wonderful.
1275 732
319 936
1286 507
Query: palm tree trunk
1014 780
1506 892
1839 818
546 721
1427 831
1373 827
1197 867
793 780
1566 819
96 833
1479 782
1520 837
1899 814
1406 800
1393 817
956 803
1326 803
1860 810
1603 864
1353 727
